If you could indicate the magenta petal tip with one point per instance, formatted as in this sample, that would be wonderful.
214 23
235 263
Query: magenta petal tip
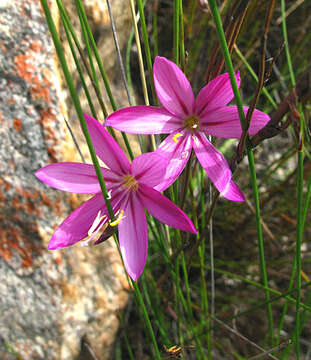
53 247
232 192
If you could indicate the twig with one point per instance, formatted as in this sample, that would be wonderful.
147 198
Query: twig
260 84
90 350
235 332
115 38
273 127
275 349
74 140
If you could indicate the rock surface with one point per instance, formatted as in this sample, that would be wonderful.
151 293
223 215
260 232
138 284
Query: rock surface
49 301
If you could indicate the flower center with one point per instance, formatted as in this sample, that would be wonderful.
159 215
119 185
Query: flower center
130 183
192 123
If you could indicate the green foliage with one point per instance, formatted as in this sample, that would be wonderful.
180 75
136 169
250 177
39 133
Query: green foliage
241 287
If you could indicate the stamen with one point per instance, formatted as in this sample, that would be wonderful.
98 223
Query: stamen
96 222
176 136
116 222
130 182
196 140
192 122
85 242
184 155
109 194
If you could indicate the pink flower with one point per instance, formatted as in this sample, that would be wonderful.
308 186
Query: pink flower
187 120
131 188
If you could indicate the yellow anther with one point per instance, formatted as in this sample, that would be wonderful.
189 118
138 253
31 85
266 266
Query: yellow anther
116 222
176 136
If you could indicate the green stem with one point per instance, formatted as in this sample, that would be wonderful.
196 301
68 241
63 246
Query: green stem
93 74
147 320
298 248
188 307
97 57
155 34
306 206
128 346
102 71
182 37
287 52
141 63
176 31
75 98
229 65
296 268
201 253
69 30
147 47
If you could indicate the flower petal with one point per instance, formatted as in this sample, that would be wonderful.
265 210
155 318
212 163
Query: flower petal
106 147
164 210
74 177
133 238
143 120
149 168
218 92
216 167
76 226
225 122
177 149
173 88
233 192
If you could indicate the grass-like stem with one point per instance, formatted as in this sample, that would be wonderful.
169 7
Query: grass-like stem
75 98
229 65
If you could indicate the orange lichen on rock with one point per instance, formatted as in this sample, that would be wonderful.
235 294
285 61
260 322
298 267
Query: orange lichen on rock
19 237
36 46
26 70
3 48
58 260
11 101
20 241
17 123
48 121
40 92
24 67
47 116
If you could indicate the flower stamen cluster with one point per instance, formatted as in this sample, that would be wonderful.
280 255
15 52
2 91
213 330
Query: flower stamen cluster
192 123
97 224
130 183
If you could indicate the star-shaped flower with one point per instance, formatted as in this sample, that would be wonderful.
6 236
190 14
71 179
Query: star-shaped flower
131 188
187 120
